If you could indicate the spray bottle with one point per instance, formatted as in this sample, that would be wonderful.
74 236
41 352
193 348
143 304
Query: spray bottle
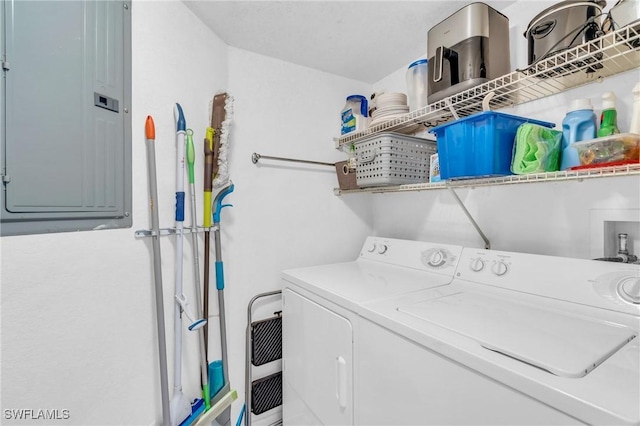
635 113
609 116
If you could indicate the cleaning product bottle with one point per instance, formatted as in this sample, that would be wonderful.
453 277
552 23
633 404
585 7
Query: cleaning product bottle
578 125
635 112
609 116
352 162
354 114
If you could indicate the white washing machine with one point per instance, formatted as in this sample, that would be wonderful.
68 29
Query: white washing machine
320 321
479 337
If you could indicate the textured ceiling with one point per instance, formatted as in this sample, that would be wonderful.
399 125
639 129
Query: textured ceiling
363 40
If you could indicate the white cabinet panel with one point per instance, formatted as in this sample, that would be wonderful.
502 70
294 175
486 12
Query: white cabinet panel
317 363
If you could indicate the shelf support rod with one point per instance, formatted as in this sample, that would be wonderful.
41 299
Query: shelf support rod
487 244
256 157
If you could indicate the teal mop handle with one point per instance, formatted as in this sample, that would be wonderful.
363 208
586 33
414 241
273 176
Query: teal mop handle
220 275
218 202
216 221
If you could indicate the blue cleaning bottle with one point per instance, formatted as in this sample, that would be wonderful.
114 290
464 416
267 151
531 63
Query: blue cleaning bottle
580 124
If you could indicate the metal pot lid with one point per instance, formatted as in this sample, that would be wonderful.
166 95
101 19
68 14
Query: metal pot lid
563 5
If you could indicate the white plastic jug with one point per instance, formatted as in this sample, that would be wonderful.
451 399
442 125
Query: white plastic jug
355 114
578 125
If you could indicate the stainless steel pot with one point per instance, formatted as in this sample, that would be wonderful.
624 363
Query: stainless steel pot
563 25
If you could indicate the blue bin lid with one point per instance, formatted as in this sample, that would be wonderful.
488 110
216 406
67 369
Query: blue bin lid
483 115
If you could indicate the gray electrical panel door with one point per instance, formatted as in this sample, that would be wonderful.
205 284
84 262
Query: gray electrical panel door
66 99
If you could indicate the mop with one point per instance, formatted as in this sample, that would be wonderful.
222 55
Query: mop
218 141
191 157
224 419
221 167
150 132
180 405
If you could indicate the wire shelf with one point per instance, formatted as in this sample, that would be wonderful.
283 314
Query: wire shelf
627 170
611 54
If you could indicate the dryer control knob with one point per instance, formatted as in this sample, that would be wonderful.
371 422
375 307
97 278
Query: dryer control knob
382 249
437 258
477 265
499 268
371 248
629 289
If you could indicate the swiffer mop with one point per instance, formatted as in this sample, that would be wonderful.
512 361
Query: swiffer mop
204 369
150 132
180 405
220 410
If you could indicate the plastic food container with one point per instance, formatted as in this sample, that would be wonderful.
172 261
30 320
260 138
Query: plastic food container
417 84
478 145
623 148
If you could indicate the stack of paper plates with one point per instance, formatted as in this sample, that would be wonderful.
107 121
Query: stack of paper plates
388 107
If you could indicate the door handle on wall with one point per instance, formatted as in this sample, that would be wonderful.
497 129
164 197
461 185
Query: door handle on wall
341 381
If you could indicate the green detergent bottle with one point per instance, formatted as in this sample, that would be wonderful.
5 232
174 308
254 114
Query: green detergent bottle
609 116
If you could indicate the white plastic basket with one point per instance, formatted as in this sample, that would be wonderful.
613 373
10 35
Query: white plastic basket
393 159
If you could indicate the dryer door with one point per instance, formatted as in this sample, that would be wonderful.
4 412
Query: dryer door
317 362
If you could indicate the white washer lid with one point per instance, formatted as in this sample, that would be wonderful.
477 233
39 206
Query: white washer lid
562 344
363 280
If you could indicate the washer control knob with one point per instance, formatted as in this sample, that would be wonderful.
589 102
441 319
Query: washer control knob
499 268
371 248
477 265
629 289
382 249
437 258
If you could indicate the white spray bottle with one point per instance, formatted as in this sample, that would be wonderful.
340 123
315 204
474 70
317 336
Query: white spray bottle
635 112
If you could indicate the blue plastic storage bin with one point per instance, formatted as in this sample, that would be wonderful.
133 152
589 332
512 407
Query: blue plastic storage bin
478 145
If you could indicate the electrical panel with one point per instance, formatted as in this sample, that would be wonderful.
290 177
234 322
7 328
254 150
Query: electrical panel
66 119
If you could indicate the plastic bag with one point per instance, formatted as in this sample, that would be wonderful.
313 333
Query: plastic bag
536 149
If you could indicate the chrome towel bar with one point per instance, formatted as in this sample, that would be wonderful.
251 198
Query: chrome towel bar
256 157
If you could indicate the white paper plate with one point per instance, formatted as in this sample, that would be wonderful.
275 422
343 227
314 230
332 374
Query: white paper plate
384 119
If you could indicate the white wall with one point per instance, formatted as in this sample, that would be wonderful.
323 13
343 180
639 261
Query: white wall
78 313
285 214
560 218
